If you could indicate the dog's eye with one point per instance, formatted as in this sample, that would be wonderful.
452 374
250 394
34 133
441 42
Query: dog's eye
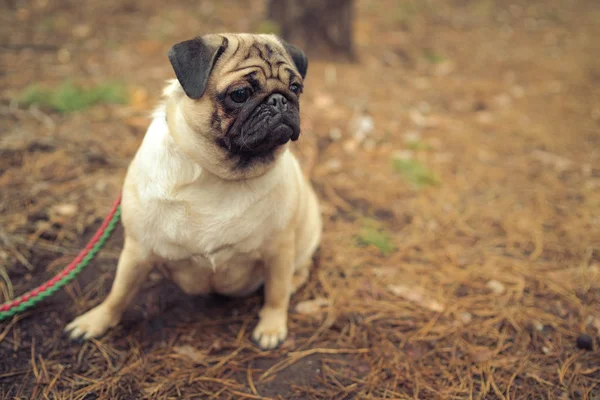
240 95
295 88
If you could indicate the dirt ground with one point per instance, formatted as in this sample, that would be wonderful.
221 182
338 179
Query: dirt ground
461 253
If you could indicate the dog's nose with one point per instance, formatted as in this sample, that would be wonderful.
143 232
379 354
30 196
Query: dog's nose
278 101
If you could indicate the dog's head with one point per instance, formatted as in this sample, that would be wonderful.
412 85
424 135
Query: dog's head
238 97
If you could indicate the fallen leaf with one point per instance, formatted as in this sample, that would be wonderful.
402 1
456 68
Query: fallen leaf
369 145
485 117
190 352
335 134
496 287
333 165
444 68
502 100
385 271
415 351
289 343
138 98
558 162
465 317
418 118
330 75
403 155
350 145
592 184
481 355
538 326
81 31
517 91
138 122
421 83
361 126
217 345
323 100
23 14
148 47
415 296
412 136
63 55
65 210
311 306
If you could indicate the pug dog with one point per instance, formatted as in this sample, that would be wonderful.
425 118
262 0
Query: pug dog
214 193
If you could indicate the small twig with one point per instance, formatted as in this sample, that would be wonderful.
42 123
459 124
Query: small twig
248 395
13 110
539 380
44 246
296 356
43 118
337 201
7 242
225 359
251 381
9 287
7 329
14 373
326 351
34 368
242 332
327 323
54 380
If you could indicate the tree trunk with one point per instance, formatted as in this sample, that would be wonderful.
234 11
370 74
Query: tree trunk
323 29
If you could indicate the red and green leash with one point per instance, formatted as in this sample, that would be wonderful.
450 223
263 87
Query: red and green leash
31 298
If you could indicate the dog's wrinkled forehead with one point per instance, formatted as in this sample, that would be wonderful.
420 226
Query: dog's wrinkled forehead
263 56
228 57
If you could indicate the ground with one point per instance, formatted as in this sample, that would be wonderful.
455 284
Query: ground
461 253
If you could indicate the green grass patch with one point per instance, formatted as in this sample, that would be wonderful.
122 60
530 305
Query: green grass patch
553 15
68 97
48 24
433 57
415 173
372 235
403 12
269 27
418 145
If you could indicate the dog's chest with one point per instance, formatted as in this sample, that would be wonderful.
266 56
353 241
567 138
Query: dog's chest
211 225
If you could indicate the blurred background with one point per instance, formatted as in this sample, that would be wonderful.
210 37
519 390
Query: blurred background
455 148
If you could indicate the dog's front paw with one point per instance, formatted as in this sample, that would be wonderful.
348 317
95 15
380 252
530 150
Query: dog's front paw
92 324
271 330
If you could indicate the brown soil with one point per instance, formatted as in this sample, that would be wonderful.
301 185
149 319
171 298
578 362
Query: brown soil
496 270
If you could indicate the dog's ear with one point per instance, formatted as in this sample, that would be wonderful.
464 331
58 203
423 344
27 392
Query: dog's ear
193 60
298 57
